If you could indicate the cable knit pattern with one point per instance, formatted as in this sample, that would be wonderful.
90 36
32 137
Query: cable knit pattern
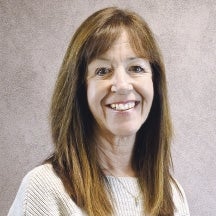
42 193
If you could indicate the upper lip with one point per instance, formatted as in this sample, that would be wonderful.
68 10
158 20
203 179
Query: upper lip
122 102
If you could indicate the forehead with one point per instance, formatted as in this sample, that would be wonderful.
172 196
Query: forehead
121 39
122 42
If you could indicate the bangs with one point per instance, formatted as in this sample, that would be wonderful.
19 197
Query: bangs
100 42
108 29
139 42
103 40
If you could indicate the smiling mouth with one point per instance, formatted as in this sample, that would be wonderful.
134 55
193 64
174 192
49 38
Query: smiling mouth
123 106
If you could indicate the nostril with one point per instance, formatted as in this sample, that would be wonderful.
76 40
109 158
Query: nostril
113 88
130 87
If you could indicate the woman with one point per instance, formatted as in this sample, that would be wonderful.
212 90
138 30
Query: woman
111 128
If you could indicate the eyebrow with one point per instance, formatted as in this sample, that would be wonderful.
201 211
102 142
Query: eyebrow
100 58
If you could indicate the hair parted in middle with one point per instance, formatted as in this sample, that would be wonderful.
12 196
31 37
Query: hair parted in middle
72 124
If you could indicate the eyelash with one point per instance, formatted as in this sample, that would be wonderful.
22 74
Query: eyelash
103 71
135 68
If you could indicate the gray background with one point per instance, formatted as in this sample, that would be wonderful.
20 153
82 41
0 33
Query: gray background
34 37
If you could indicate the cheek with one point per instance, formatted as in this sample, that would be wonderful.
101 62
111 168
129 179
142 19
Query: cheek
91 96
146 90
150 92
95 94
90 92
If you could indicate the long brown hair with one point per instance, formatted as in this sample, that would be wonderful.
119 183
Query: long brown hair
75 156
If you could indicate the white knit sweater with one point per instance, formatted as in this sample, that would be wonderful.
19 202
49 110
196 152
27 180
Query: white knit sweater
42 193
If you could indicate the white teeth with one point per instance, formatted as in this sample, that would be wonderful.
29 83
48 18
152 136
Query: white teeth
113 106
122 107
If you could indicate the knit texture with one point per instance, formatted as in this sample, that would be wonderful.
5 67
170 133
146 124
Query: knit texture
42 193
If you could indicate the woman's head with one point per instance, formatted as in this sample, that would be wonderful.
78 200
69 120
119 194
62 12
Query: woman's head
93 38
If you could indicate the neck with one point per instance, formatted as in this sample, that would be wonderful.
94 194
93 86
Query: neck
115 155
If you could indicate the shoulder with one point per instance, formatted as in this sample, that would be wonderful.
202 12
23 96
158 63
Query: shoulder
41 181
40 192
42 177
179 199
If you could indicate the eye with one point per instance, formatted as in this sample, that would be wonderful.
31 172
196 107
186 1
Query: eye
103 71
136 69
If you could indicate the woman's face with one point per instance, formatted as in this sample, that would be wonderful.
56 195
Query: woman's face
119 89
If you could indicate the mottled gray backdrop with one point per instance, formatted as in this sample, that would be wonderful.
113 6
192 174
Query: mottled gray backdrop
33 39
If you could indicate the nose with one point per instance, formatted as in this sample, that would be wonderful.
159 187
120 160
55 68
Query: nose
121 82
